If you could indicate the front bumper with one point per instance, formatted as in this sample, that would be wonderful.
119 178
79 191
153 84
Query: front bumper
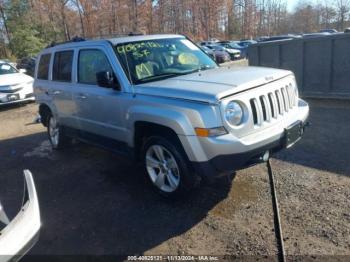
235 56
23 231
227 164
226 154
19 97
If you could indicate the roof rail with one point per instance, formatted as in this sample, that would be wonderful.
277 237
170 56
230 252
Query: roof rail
80 39
105 36
74 39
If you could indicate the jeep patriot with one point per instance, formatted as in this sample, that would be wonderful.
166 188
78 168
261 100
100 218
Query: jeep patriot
162 101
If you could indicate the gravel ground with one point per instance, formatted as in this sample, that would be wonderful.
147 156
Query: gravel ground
93 202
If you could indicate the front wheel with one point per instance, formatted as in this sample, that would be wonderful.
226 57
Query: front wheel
167 167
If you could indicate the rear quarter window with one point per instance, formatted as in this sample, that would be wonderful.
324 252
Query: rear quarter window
62 66
43 69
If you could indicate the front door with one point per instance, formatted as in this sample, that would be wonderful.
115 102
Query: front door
99 109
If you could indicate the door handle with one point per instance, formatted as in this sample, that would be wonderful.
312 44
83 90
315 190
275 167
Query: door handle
56 92
81 96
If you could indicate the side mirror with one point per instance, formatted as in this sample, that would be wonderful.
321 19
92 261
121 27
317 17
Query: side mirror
107 79
22 70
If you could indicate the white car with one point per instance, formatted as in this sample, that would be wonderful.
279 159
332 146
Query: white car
234 53
20 234
15 86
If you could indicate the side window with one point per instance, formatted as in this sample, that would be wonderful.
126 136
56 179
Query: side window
91 62
62 66
44 64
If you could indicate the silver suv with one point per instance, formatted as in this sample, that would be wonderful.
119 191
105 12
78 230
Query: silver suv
161 100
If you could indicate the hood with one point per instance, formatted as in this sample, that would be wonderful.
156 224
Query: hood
211 85
14 79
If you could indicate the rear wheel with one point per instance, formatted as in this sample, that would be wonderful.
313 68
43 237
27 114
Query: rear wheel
167 168
57 139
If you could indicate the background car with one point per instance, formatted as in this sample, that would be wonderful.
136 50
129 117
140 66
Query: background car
311 35
208 51
8 61
331 31
235 54
27 63
15 86
221 56
206 43
245 44
234 45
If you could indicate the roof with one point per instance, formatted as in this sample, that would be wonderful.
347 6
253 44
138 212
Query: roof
126 39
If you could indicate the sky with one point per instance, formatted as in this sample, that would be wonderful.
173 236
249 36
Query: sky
292 3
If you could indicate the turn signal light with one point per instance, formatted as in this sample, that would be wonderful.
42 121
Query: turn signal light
207 132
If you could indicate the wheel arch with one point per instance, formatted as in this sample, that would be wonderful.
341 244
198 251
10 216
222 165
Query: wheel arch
144 129
44 112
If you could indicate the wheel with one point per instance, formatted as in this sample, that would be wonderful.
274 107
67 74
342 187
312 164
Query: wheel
57 139
167 168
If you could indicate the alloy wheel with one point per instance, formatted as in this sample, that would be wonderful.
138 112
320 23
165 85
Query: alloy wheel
54 131
162 168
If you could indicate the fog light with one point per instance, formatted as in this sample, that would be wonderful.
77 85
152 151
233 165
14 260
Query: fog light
266 156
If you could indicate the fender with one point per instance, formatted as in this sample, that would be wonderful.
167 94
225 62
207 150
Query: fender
172 119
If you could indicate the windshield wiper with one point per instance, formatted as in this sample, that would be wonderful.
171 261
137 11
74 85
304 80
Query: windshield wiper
166 75
161 75
200 68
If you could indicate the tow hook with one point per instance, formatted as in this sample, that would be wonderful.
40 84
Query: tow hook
306 124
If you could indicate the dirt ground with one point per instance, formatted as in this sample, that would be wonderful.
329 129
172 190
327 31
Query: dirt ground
94 202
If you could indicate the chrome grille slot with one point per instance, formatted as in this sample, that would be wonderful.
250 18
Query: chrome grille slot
279 102
255 115
285 99
273 105
263 107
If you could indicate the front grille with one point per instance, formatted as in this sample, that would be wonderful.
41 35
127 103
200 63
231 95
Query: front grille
272 104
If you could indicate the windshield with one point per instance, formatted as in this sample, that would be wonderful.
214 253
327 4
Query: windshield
7 69
158 59
235 45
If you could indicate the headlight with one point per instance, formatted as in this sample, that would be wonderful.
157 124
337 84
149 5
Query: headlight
234 113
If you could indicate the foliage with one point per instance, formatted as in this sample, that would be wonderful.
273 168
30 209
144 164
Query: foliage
29 24
25 43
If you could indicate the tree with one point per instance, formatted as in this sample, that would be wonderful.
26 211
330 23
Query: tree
25 43
343 8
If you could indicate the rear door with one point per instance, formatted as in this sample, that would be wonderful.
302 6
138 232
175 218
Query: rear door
61 86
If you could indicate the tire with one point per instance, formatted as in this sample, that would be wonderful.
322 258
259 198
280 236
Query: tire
166 167
55 133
